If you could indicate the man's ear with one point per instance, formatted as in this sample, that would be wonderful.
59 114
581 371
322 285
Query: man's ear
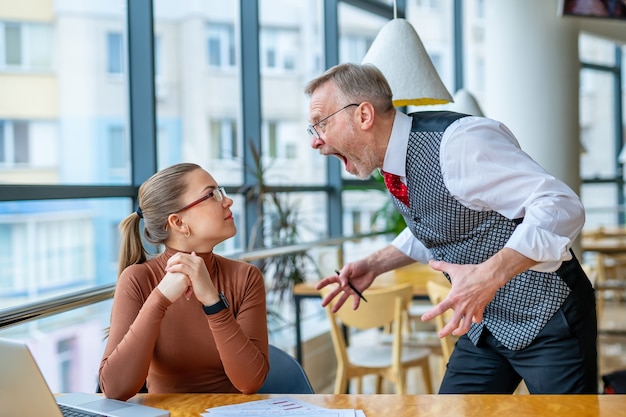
367 114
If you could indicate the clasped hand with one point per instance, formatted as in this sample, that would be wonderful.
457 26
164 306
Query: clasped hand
186 274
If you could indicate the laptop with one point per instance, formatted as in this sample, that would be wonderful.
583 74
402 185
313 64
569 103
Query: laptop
24 391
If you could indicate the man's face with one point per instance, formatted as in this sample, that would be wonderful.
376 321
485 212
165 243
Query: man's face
335 130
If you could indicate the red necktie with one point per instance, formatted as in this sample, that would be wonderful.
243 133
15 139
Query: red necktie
396 187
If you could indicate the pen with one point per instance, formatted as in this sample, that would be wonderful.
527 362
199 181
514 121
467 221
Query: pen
354 288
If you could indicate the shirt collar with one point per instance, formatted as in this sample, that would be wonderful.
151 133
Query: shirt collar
395 157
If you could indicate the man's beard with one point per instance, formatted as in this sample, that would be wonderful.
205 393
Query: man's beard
363 168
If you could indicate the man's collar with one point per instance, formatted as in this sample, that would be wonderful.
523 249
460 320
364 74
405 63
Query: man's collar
395 157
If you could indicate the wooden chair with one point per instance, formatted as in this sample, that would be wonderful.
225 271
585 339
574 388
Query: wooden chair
436 293
385 307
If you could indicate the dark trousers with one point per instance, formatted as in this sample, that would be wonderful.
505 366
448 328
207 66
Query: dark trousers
561 360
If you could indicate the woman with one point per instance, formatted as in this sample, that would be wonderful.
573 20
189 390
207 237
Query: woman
186 320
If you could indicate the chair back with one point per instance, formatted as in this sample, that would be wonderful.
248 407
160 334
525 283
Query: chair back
379 309
286 375
436 293
385 308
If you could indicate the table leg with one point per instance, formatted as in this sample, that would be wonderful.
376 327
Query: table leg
297 299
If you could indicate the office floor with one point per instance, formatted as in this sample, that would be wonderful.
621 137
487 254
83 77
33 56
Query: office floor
611 353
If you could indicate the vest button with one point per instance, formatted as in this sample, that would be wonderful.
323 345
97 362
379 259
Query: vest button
417 219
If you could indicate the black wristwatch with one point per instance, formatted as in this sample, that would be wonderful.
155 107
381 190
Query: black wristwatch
219 306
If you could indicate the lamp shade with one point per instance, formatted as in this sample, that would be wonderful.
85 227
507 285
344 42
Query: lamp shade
399 53
465 102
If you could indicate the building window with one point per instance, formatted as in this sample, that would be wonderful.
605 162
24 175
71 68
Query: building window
14 143
221 45
353 48
114 53
22 142
3 154
224 138
13 44
118 149
25 46
66 352
279 49
272 139
6 258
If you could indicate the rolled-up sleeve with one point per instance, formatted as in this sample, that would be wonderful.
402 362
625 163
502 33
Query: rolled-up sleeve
495 174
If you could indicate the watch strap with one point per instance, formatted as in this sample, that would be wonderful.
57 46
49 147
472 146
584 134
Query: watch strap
217 307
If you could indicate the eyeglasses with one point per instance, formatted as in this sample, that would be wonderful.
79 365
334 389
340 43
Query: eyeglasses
218 195
311 129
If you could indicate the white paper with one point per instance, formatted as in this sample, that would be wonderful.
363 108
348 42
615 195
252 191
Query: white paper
282 406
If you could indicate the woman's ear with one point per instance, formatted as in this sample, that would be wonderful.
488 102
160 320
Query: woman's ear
176 223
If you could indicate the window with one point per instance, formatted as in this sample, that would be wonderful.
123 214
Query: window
14 143
278 140
3 154
272 138
25 46
353 48
221 45
13 44
66 353
224 139
279 49
6 279
114 53
22 142
118 148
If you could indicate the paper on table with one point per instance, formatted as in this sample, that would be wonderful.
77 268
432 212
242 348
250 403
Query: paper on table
283 406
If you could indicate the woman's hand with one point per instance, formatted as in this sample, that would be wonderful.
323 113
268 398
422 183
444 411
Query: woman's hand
193 266
175 284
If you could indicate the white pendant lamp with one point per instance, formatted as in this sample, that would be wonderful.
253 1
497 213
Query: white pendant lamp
399 53
465 102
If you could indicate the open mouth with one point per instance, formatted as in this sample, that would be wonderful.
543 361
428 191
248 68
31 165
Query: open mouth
342 158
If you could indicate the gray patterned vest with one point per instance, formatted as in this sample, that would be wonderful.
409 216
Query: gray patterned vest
459 235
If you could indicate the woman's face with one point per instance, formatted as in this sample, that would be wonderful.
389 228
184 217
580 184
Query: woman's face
208 221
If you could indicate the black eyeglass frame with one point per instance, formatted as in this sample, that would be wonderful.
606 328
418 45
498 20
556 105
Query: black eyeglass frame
311 129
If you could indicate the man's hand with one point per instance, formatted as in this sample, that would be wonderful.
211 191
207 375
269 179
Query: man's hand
359 275
473 287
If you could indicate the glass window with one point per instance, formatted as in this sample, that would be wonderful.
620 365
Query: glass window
596 50
118 150
198 87
597 125
224 137
3 153
22 142
75 104
13 44
114 53
26 46
221 45
279 49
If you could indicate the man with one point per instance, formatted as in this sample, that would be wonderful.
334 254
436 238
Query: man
482 212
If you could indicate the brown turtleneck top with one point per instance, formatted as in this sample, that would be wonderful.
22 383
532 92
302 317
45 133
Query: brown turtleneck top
176 347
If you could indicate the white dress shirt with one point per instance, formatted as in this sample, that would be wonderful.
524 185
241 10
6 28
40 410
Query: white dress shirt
484 168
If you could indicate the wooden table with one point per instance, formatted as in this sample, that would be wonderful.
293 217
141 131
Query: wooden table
392 405
417 274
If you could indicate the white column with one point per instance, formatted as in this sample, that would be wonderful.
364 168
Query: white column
532 72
